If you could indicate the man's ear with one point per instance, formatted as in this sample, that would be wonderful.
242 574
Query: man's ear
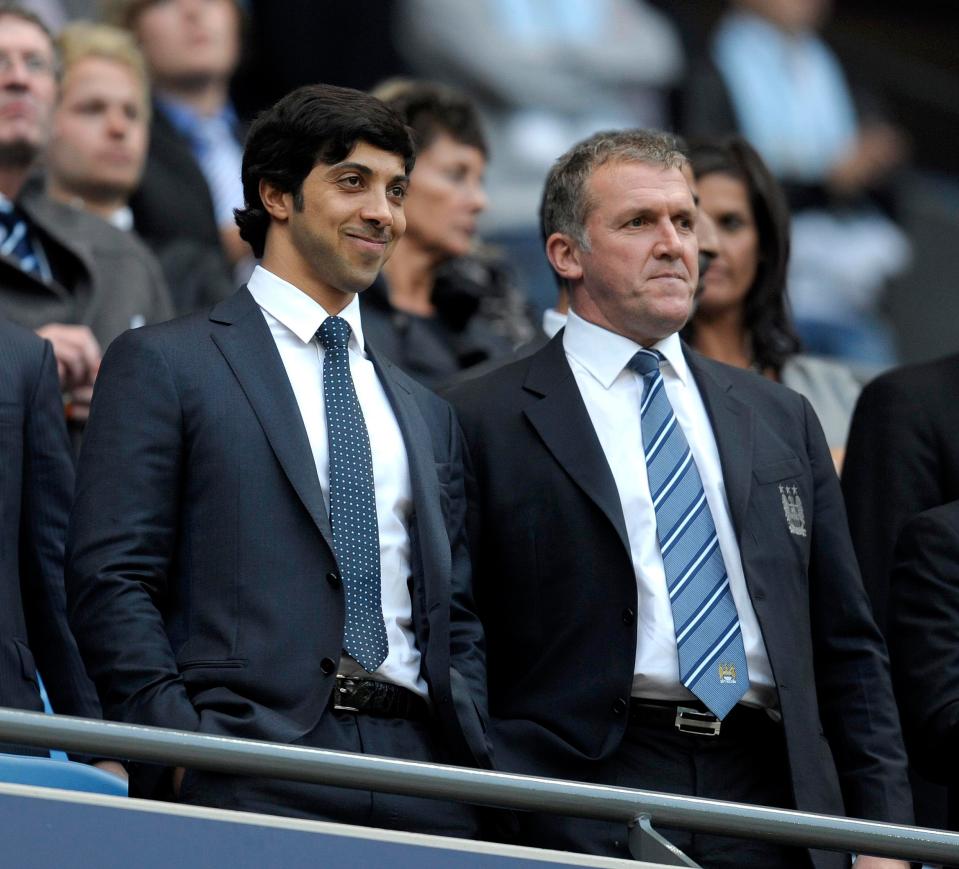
278 203
564 256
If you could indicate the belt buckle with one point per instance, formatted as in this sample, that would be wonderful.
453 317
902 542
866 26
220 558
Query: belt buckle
697 723
343 683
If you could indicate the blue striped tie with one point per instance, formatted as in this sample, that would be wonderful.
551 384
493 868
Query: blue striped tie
712 658
15 240
356 539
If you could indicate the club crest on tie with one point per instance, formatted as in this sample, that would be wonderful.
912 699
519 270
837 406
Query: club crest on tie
792 507
727 674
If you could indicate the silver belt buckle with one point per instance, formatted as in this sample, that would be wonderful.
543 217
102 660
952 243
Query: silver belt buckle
696 722
340 691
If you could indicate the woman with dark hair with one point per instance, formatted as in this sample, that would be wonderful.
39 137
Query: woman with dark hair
742 316
442 303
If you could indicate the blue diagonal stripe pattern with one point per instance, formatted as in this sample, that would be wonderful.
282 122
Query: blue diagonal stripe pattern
712 657
15 240
356 539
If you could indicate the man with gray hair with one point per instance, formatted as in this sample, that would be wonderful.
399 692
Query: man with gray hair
661 557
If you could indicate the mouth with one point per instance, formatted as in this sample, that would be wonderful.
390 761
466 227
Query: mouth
374 243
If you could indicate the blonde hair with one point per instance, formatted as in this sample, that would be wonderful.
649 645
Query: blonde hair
82 40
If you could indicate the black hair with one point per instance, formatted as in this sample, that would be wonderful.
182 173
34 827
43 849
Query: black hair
430 110
766 316
313 124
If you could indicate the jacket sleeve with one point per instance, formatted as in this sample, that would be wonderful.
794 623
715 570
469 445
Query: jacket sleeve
924 639
122 537
46 493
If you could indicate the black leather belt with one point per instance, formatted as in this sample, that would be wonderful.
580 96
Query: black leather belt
693 718
375 697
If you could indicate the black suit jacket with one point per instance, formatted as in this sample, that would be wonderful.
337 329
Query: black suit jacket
36 483
924 641
902 457
557 591
199 544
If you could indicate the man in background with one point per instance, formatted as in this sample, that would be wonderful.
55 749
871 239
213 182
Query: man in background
68 275
192 180
99 145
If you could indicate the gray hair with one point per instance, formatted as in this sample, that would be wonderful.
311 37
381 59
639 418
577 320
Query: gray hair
566 203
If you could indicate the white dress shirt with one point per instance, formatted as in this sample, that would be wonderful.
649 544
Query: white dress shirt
612 394
293 318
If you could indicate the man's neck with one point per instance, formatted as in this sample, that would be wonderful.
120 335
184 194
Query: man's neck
332 301
104 207
12 179
206 98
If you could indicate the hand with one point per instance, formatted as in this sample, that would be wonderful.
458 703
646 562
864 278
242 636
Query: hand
878 149
77 352
178 774
113 767
77 406
864 861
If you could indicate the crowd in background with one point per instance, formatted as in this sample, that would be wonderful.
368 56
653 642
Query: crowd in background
117 202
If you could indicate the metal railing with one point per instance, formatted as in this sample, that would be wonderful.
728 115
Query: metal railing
343 769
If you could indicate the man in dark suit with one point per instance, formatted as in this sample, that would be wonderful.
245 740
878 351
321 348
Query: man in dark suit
923 632
902 458
661 561
36 484
268 535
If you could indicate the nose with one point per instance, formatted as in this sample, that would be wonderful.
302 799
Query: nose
118 125
707 235
377 209
14 72
668 244
478 199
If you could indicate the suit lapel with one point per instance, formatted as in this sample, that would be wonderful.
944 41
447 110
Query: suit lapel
424 483
732 422
562 422
251 353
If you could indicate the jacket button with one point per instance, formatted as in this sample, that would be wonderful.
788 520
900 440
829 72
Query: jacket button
619 706
333 579
328 666
629 616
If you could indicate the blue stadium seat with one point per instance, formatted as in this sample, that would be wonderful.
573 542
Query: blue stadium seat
66 774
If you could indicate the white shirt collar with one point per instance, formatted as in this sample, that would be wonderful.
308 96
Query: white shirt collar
297 311
553 321
605 354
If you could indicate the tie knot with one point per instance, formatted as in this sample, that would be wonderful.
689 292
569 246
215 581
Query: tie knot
645 362
334 333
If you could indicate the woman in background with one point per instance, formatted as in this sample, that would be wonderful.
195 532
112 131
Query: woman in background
442 303
742 317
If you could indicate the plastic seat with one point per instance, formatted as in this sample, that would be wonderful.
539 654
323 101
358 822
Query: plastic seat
66 774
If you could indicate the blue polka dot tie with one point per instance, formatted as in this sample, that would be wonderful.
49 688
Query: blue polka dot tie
15 240
352 501
709 640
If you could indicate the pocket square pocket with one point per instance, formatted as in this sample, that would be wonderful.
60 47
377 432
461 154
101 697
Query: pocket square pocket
784 470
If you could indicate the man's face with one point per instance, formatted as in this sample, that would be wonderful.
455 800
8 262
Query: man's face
640 273
99 138
350 218
187 41
28 89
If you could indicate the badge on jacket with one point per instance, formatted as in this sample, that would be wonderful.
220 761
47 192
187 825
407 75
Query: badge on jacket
792 507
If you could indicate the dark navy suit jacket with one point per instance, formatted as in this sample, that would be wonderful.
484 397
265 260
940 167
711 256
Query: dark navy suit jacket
557 592
36 484
200 545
